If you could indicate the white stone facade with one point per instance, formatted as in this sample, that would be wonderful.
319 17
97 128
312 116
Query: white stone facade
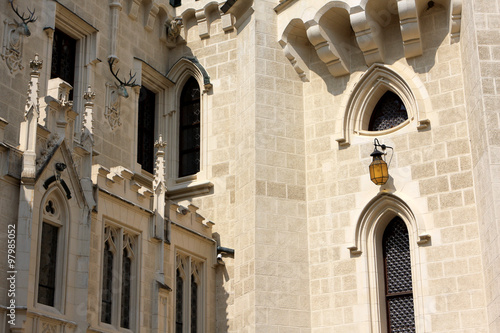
286 92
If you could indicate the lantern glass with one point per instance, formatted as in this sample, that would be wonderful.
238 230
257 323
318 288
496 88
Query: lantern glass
379 173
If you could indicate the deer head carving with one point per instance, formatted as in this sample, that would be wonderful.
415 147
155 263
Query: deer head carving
23 26
122 91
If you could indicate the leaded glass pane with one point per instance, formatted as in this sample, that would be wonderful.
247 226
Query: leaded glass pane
48 265
126 276
398 280
107 280
179 294
397 256
401 315
146 129
189 129
194 305
388 113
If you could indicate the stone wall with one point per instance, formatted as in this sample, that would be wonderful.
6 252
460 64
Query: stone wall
480 63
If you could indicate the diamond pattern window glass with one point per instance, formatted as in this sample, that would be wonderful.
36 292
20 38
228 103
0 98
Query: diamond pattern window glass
398 279
388 113
189 129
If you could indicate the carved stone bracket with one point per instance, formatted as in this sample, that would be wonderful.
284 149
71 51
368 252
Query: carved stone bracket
326 50
367 37
410 28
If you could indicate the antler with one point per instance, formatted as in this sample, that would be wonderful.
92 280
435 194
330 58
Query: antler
129 82
26 20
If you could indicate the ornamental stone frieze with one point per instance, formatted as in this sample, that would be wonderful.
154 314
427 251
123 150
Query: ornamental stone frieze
336 30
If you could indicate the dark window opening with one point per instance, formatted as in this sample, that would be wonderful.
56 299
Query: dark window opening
48 265
398 279
179 294
146 129
189 129
63 58
194 305
107 282
389 112
126 276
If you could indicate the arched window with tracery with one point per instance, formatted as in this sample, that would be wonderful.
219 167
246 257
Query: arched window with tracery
189 129
389 112
398 277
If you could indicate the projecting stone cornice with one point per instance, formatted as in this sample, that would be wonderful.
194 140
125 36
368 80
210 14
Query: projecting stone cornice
337 29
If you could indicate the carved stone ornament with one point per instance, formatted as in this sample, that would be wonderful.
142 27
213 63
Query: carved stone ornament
47 150
112 109
12 48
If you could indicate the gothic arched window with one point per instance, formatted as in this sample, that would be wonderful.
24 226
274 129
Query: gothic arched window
398 278
389 112
189 129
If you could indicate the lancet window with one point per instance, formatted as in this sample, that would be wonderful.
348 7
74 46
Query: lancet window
119 278
398 278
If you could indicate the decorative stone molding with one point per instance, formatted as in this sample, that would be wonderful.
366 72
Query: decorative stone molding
112 108
12 47
294 43
115 7
367 35
88 120
153 12
455 19
326 50
369 88
410 27
134 9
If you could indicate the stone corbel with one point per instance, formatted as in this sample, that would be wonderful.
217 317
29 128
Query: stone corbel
296 61
410 28
228 21
203 24
152 17
455 19
134 9
367 35
172 31
326 50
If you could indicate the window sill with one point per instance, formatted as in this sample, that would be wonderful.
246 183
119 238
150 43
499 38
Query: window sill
188 187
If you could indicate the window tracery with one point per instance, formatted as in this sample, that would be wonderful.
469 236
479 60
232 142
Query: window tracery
118 278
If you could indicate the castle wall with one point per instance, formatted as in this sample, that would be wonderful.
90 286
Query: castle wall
479 59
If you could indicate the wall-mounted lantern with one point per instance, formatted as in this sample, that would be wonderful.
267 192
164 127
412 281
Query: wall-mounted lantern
379 170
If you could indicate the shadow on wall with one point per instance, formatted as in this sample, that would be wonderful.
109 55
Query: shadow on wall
305 49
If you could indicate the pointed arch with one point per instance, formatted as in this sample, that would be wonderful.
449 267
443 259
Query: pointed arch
368 244
53 236
377 214
368 89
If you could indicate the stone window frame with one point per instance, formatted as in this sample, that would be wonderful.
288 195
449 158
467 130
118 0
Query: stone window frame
191 185
159 84
367 244
61 219
61 18
367 90
121 231
185 263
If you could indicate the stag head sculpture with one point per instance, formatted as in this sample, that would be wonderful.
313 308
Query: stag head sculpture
23 26
122 91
